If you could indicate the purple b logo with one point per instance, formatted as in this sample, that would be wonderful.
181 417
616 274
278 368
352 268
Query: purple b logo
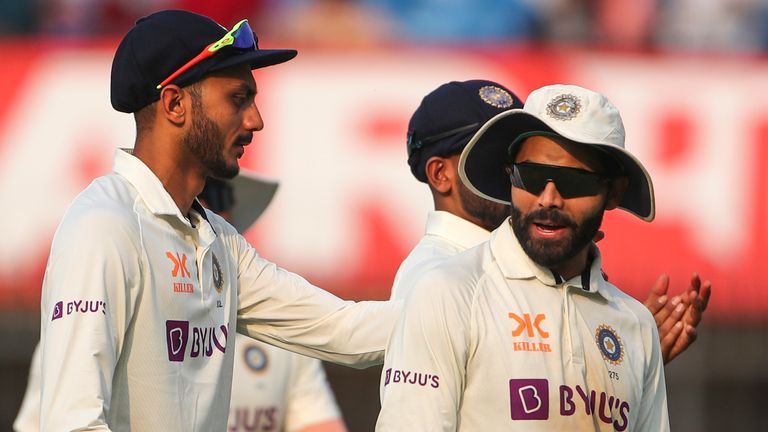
58 310
176 336
529 399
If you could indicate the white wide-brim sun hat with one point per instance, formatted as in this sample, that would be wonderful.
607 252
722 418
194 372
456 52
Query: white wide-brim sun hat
575 113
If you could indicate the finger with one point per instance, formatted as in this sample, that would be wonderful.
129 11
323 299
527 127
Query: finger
685 340
693 309
695 282
668 342
663 313
676 316
704 293
657 296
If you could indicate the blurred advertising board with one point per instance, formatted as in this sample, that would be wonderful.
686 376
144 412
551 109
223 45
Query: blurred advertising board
348 211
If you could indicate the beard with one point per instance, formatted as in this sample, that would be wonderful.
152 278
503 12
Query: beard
551 253
206 142
487 214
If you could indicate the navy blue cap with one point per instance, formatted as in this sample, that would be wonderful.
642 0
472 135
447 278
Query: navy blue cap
450 115
160 43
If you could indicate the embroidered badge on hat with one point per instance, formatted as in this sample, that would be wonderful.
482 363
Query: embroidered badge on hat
496 97
610 345
564 107
218 275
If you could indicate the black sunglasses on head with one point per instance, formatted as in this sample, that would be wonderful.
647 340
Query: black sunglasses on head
570 182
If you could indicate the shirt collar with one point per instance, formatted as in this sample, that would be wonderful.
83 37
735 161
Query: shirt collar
456 229
149 187
516 264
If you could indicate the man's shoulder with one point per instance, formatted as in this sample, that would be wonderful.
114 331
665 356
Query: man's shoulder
457 276
430 251
105 205
642 313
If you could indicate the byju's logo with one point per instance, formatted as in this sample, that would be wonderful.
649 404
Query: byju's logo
58 310
408 377
176 336
78 307
205 341
529 399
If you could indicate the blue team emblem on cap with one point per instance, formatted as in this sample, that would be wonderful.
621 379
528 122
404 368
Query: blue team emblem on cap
495 96
610 344
564 107
218 275
256 358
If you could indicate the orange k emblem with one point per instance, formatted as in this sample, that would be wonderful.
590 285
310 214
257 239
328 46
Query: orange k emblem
524 324
179 264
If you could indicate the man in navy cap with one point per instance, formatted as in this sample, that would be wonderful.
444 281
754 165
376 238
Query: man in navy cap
438 131
144 288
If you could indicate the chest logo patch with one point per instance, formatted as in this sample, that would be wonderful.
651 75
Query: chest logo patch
255 358
218 275
610 344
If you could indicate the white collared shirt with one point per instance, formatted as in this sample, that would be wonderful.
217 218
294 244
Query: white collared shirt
490 340
446 235
277 390
139 307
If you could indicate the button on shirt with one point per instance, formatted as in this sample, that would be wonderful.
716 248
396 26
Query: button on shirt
492 341
140 305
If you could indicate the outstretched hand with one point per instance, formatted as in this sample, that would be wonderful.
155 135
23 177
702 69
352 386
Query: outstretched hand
678 317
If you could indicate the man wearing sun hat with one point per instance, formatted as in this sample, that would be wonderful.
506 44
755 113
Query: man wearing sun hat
144 288
439 129
523 332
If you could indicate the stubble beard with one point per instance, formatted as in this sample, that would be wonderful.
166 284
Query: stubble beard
487 214
206 142
551 253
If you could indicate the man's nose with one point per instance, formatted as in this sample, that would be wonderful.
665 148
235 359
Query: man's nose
252 120
550 197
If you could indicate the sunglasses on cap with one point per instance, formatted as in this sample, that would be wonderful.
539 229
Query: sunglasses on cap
241 36
570 182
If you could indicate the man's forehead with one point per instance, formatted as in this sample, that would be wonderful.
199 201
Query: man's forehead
559 151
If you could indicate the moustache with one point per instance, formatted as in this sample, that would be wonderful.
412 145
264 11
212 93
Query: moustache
554 217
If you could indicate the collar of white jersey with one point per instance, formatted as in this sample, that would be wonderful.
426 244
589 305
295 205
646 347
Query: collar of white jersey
455 229
157 199
510 255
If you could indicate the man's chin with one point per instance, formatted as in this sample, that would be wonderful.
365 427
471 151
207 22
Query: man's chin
226 173
546 253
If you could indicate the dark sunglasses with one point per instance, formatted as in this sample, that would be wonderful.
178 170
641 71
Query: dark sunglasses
570 182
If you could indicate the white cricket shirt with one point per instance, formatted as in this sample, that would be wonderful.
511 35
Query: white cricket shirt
277 390
446 235
139 303
28 419
492 341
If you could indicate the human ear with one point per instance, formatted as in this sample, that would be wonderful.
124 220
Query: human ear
171 106
616 192
439 174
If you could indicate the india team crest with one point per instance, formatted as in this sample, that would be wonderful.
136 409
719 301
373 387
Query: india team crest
610 345
218 275
496 96
256 358
564 107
